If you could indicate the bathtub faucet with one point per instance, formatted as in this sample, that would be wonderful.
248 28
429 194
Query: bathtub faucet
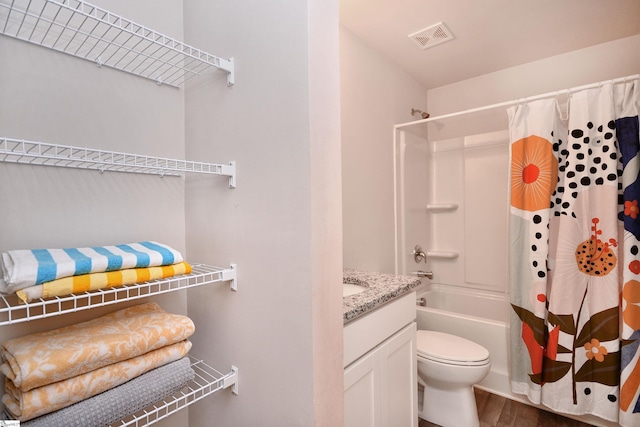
420 273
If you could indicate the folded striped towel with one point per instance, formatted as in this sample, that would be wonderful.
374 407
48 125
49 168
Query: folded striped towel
93 281
43 358
126 399
24 405
28 267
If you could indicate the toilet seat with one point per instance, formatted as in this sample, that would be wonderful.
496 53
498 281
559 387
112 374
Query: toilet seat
450 349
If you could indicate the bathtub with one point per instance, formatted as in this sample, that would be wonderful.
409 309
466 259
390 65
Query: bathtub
479 316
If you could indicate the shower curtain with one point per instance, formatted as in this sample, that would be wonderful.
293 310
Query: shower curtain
574 258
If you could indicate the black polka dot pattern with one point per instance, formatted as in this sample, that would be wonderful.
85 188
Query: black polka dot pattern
585 158
540 242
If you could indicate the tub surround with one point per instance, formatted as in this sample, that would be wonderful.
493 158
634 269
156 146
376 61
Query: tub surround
380 289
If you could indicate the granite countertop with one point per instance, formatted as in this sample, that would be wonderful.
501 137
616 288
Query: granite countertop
381 288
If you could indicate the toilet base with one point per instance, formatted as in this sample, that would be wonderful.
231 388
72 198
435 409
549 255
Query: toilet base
449 407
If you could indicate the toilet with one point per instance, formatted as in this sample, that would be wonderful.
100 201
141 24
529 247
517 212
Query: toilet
448 367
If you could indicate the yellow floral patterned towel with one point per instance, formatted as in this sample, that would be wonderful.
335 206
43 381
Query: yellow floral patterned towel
43 400
93 281
47 357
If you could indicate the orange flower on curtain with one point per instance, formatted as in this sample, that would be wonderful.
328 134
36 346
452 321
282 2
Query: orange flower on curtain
534 173
631 208
595 351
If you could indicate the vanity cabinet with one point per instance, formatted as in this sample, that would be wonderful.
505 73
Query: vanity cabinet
380 375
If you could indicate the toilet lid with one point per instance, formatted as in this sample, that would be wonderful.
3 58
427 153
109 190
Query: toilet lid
447 348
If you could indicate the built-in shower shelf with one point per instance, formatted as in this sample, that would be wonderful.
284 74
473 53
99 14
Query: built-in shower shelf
441 207
88 32
40 153
443 254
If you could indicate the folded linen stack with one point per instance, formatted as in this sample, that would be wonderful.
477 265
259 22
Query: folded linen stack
44 273
119 402
48 371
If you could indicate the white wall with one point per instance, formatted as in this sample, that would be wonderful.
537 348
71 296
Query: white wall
605 61
51 97
281 225
376 95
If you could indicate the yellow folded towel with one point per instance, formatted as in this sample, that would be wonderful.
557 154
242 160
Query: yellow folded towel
47 357
93 281
43 400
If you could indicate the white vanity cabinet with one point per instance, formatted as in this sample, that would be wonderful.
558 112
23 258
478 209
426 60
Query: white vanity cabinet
380 375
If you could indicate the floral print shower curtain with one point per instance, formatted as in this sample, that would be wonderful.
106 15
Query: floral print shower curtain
574 259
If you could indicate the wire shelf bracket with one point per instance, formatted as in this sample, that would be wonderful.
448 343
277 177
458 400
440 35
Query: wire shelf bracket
13 311
85 31
231 380
40 153
231 275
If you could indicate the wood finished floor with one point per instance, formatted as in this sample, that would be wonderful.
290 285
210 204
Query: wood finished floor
497 411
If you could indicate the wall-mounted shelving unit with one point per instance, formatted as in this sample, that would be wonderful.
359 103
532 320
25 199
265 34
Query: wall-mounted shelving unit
88 32
85 31
12 310
40 153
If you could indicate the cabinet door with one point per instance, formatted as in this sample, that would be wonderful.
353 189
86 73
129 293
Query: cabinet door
380 388
362 392
399 379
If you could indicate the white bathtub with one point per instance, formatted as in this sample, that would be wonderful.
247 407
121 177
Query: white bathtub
479 316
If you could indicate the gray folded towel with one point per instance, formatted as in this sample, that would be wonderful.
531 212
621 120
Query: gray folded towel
118 402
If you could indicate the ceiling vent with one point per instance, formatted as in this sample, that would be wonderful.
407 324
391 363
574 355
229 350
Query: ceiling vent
432 36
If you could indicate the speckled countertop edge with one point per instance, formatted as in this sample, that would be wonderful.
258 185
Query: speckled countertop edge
381 288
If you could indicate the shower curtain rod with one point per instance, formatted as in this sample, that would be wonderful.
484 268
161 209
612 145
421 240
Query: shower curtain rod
520 100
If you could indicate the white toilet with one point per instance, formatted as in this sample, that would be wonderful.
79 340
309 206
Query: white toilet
448 367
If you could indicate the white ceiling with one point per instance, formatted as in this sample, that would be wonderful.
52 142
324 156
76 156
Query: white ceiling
490 35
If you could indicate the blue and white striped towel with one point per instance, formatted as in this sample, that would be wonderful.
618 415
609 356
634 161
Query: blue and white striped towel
28 267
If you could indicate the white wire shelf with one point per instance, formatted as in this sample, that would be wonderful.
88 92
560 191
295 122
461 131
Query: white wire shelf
206 382
12 310
44 154
86 31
